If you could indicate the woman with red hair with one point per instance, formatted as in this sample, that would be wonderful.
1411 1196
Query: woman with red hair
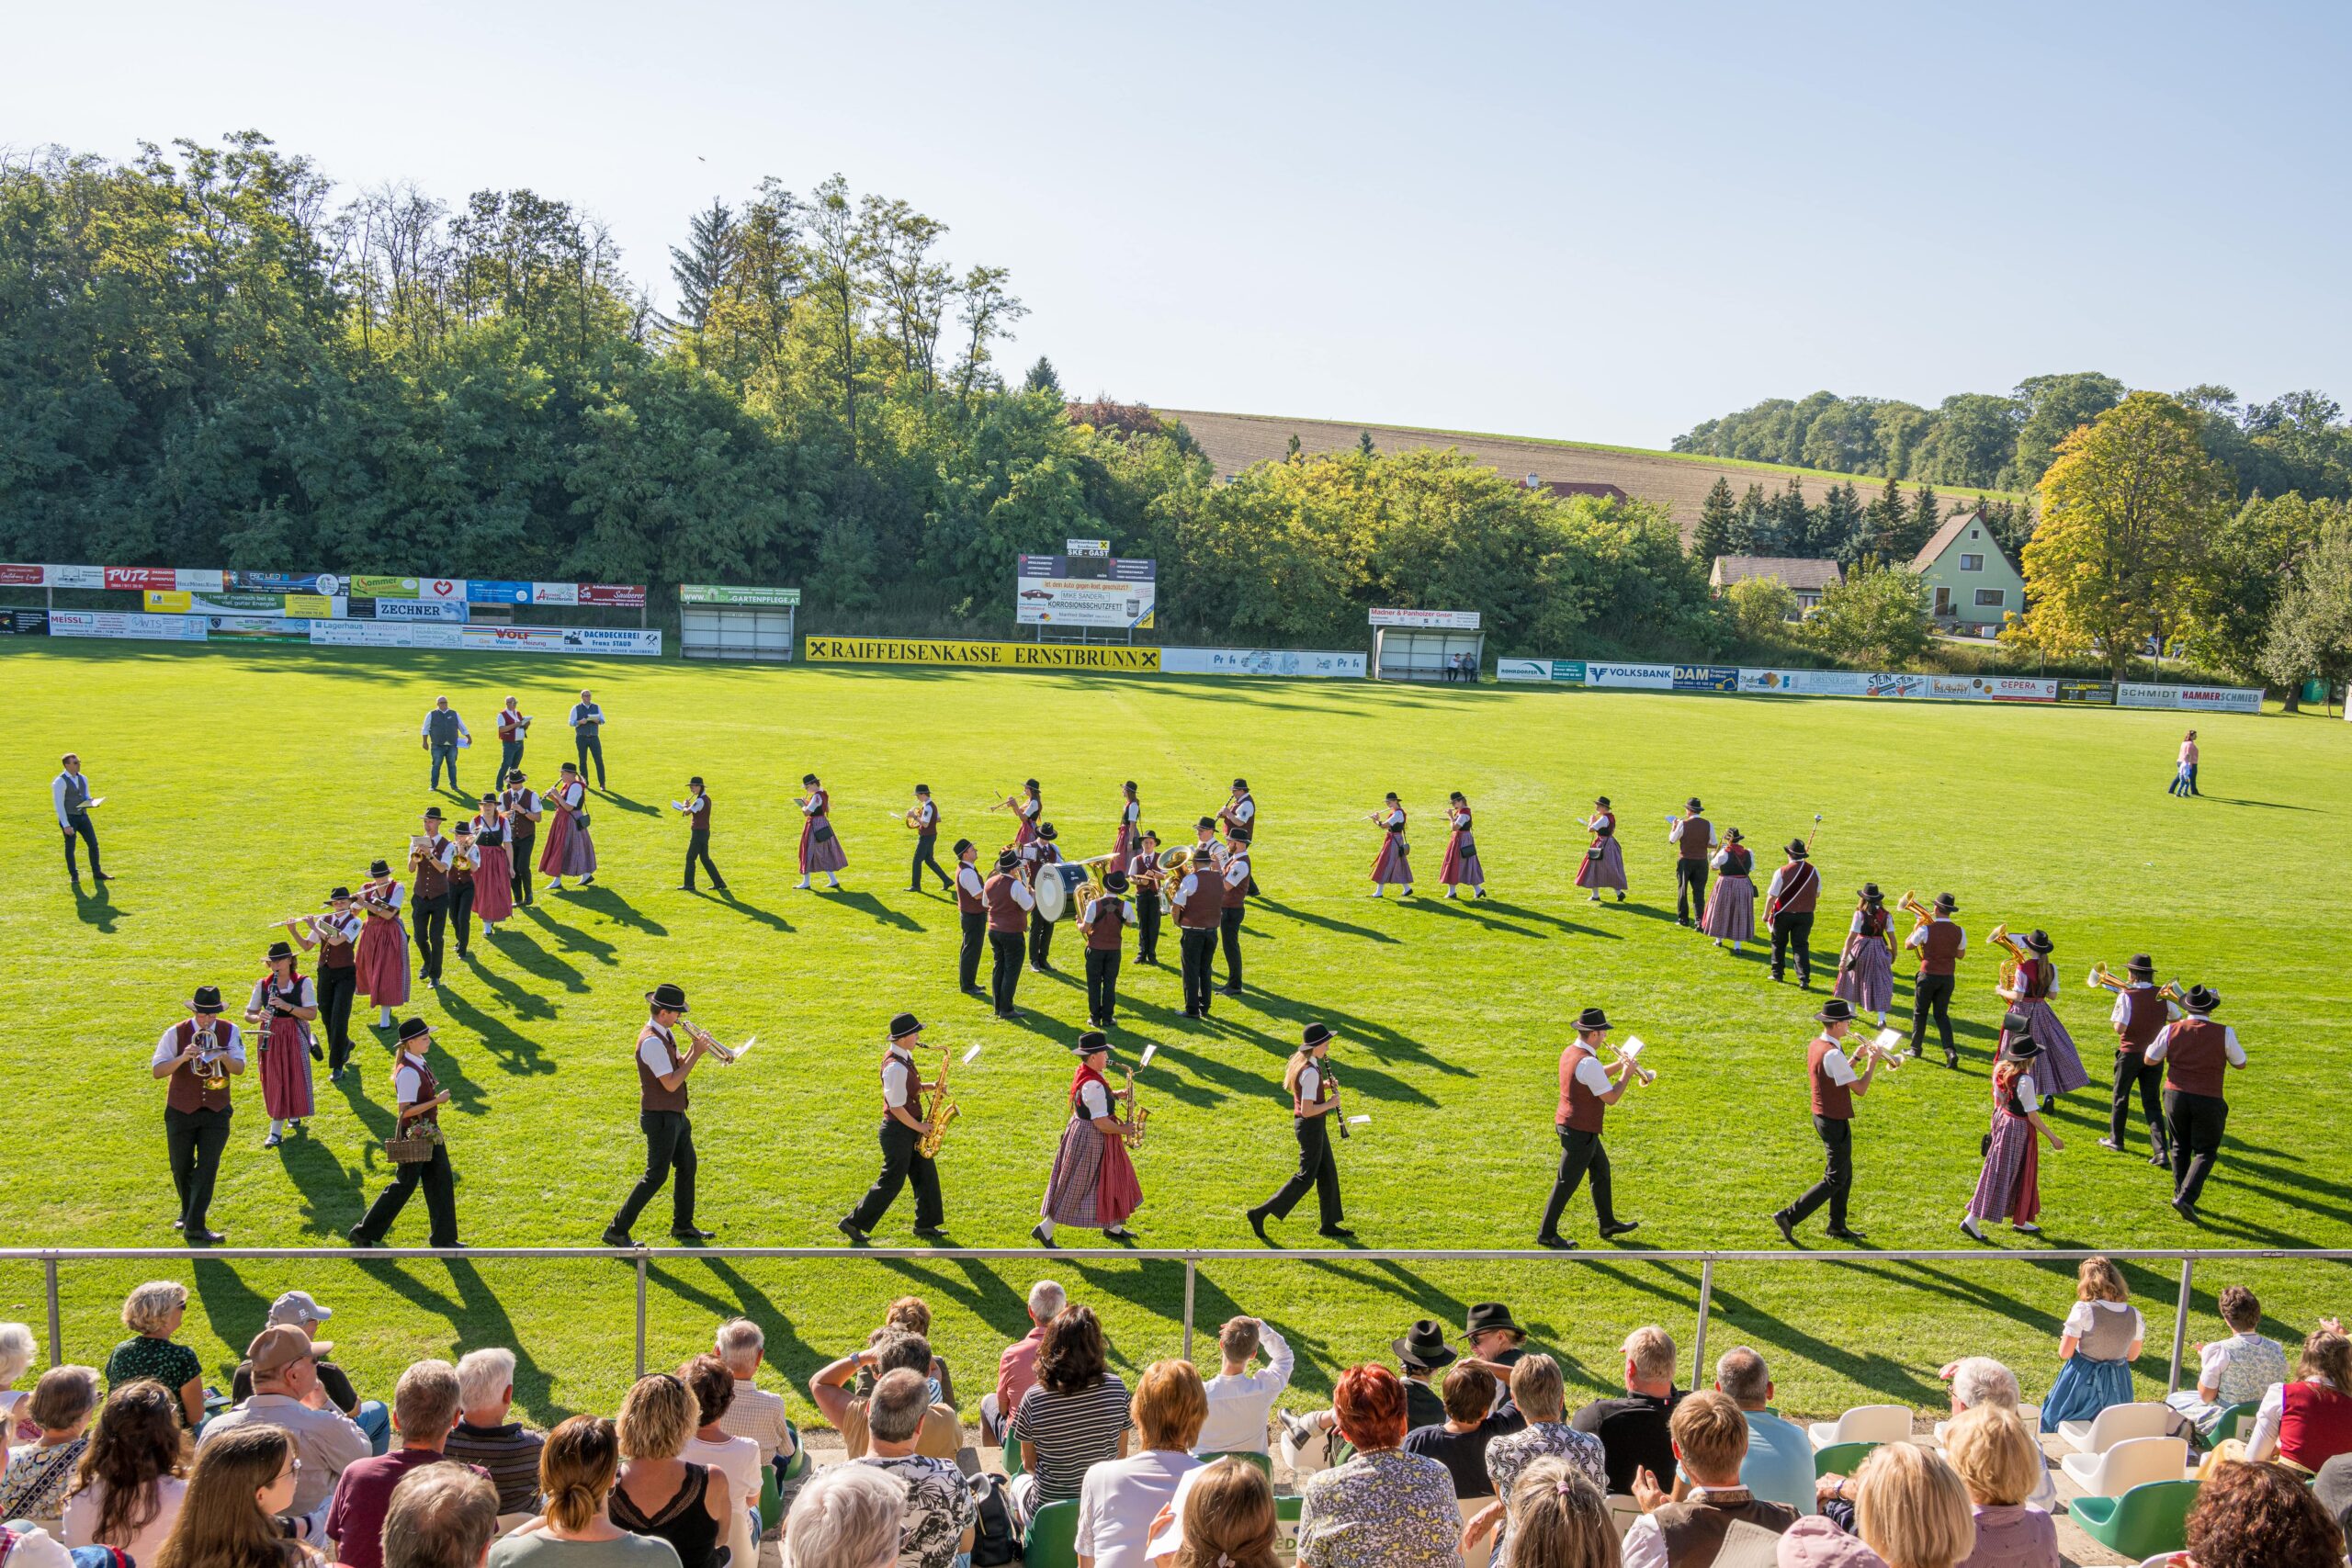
1384 1508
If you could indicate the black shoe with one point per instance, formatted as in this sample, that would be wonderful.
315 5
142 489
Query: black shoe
2182 1207
1787 1227
932 1233
1008 1015
973 990
719 887
2160 1159
850 1231
1257 1224
1038 1233
1555 1241
100 877
1951 1059
356 1239
1915 1053
1843 1233
616 1236
207 1238
1619 1227
692 1233
1337 1232
1039 969
1298 1431
1229 990
687 888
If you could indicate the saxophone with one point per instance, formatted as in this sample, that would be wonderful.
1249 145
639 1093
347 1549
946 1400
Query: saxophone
1137 1114
939 1112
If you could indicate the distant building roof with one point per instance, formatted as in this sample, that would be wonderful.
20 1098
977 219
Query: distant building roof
1932 552
1799 573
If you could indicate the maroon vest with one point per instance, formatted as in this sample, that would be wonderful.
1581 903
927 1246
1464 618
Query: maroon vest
1110 919
970 903
1206 905
2144 1018
339 954
1236 893
1579 1108
2195 1057
700 821
1940 952
650 1094
187 1093
1800 885
996 896
2314 1423
431 881
1693 837
428 1089
1835 1101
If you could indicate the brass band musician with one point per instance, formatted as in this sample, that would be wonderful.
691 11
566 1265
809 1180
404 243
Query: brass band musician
661 1073
906 1124
1093 1182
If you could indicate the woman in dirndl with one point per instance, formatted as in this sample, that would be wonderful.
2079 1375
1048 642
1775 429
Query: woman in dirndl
2009 1186
382 960
1730 914
820 847
1028 809
281 1010
1866 969
1122 843
569 851
1604 862
1461 867
1094 1184
2028 998
1394 864
493 866
2096 1346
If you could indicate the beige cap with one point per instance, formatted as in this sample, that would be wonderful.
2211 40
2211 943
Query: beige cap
281 1345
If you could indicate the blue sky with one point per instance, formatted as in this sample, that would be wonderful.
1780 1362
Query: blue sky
1600 223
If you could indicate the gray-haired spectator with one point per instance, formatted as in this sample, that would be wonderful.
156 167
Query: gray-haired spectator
1980 1379
1779 1466
152 1312
1016 1366
40 1473
441 1517
1540 1394
507 1451
425 1406
756 1413
328 1442
302 1311
936 1523
942 1433
847 1518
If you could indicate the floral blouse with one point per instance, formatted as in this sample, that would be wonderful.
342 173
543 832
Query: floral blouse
1385 1509
1507 1455
38 1480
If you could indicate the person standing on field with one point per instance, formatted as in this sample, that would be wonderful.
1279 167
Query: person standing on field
69 794
587 732
2184 776
441 734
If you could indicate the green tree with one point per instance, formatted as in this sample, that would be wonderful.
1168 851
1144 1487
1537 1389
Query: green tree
1754 525
1363 442
1793 520
701 266
1712 537
1927 516
1042 378
1837 525
1883 524
1876 618
1762 607
2310 633
2054 408
2248 563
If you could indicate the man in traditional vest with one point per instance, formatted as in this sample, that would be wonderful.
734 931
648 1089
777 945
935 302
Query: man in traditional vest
1200 908
1587 1091
1239 819
1713 1511
1144 875
1234 896
587 736
972 915
926 816
1836 1086
1694 839
523 812
198 1054
439 734
662 1104
69 792
2195 1052
697 806
1788 908
903 1126
1103 924
1942 945
1043 850
2139 1015
428 897
1006 901
514 729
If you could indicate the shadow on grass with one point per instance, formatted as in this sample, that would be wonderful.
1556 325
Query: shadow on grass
1527 912
611 904
728 901
573 937
96 907
879 912
1323 922
1455 909
626 803
517 1055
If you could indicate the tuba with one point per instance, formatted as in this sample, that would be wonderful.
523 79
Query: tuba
2017 955
938 1112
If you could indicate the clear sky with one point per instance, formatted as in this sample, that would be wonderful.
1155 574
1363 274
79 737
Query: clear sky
1603 223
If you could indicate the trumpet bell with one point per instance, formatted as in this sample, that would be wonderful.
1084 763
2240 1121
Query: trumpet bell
1057 889
2102 978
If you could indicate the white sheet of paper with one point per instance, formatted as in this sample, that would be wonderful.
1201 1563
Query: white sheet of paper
745 1049
101 800
1359 1121
970 1053
1632 1046
1148 1052
677 806
1887 1040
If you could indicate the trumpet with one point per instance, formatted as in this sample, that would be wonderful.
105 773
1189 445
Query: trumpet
938 1113
1626 1058
1883 1049
704 1038
1920 914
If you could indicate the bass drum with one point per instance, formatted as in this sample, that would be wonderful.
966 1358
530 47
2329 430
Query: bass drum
1057 890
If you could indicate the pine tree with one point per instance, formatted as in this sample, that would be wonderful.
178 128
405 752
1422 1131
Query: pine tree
701 265
1363 442
1754 525
1041 378
1927 516
1713 535
1883 523
1291 452
1837 527
1793 520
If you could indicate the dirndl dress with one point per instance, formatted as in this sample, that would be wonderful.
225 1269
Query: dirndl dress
2009 1185
1122 842
286 1052
821 853
1731 908
1460 866
493 883
1868 978
559 838
2067 1073
1606 869
381 961
1394 864
1093 1185
2097 1375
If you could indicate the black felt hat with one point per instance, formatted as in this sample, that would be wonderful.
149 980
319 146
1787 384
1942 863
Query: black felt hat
1837 1009
414 1028
2141 963
1114 882
2201 999
279 950
668 998
1602 801
1870 895
206 1000
1797 850
904 1024
1485 1317
1045 831
433 813
380 868
1007 860
1314 1034
1591 1020
1093 1040
340 895
1946 903
1423 1346
2039 941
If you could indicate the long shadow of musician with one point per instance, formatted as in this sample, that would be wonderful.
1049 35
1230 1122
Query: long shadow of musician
620 911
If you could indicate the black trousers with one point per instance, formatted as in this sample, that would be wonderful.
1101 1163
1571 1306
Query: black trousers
1581 1155
194 1140
79 824
1932 991
590 746
669 1146
900 1165
2134 1071
510 757
967 957
1147 926
1793 928
431 929
1317 1168
698 849
336 988
461 914
1198 944
2196 1122
1690 889
445 754
440 1202
1004 948
521 850
1836 1176
1229 926
1041 939
926 845
1101 983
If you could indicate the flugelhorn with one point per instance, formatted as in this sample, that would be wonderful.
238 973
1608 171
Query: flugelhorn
1628 1057
704 1038
1920 914
2102 978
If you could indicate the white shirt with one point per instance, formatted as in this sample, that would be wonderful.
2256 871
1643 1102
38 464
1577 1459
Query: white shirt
1243 811
408 1085
1459 818
1118 1501
927 815
524 803
1674 834
425 729
346 926
2028 1101
1029 809
1919 938
1236 872
569 795
79 1526
1593 1076
438 850
1310 1082
2080 1321
1021 896
898 1076
1108 904
167 1047
2122 1012
1238 1401
1394 817
305 995
2264 1439
737 1459
1186 888
649 1049
389 893
593 713
968 879
1644 1545
2230 1046
1774 888
1840 1070
1132 812
1093 1100
693 806
57 797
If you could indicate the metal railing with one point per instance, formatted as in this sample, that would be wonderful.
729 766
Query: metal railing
52 1258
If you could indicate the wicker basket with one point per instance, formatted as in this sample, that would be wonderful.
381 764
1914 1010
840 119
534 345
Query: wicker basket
411 1150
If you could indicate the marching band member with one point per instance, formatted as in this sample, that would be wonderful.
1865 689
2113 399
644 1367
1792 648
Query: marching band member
1123 841
1235 878
514 729
1866 967
923 819
464 861
2194 1051
1729 913
1200 910
1008 901
1045 850
1028 808
279 1010
337 936
1144 874
1788 908
1394 862
1239 818
1206 848
972 915
1461 867
1693 837
1942 945
418 1098
428 863
1604 862
2141 1013
820 847
69 794
1587 1091
695 809
2010 1184
1835 1086
2037 978
588 723
1094 1181
382 958
493 868
523 808
198 1054
1314 1099
661 1100
1104 918
569 851
903 1127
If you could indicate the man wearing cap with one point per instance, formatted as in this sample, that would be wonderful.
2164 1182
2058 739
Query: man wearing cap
1104 923
1692 838
1313 1101
1043 850
1005 900
1942 945
2194 1052
429 895
1587 1091
971 917
1835 1087
925 821
417 1097
1238 817
302 1311
440 734
335 935
69 794
1788 909
1199 898
2139 1014
661 1094
523 813
903 1127
285 1358
198 1054
1093 1182
1236 886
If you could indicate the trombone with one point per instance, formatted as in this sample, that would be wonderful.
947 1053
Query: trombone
704 1038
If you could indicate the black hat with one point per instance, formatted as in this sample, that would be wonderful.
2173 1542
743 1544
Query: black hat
464 825
490 797
808 778
515 776
433 813
380 868
903 1024
695 783
961 845
1314 1034
1390 796
2141 963
411 1028
2200 999
922 789
1591 1019
1045 831
1485 1317
279 950
1733 835
567 768
1007 860
1093 1040
2039 941
1241 784
1602 801
667 997
1208 823
1423 1348
1028 784
1692 804
1128 787
340 892
2022 1049
1114 882
1870 895
1837 1009
1456 794
1148 833
1946 903
206 1000
1797 850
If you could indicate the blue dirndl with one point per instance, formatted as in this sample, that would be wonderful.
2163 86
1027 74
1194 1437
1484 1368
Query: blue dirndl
2085 1388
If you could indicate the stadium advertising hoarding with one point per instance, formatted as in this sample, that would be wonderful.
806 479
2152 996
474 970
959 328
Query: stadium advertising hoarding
1562 672
118 623
483 591
607 641
1086 591
1706 678
256 628
1296 664
2205 699
2099 694
383 588
382 634
405 610
15 576
983 655
171 602
1805 683
24 622
1428 620
1637 677
726 593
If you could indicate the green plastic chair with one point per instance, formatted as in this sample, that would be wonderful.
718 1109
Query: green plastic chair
2147 1521
1052 1540
1012 1450
2232 1424
1262 1461
796 1469
1840 1459
771 1499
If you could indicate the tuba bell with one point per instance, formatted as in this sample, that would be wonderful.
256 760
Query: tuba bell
1920 914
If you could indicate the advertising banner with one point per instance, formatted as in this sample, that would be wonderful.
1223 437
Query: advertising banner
623 595
256 628
1958 689
383 587
2208 699
379 633
479 592
2021 689
1805 683
987 655
23 576
314 606
73 576
1641 677
1086 591
406 610
1530 670
111 623
2099 691
24 622
442 590
1706 678
1288 661
325 584
611 641
1428 620
142 577
555 594
725 593
161 602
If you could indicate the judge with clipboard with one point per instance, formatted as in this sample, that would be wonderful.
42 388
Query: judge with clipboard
69 792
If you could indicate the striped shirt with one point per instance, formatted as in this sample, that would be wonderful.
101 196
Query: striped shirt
1072 1432
509 1455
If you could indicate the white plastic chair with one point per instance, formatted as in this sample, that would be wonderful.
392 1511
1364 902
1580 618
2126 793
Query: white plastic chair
2028 1414
2115 1424
2134 1461
1864 1424
1303 1460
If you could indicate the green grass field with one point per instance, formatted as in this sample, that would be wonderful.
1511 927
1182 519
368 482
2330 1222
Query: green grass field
242 784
